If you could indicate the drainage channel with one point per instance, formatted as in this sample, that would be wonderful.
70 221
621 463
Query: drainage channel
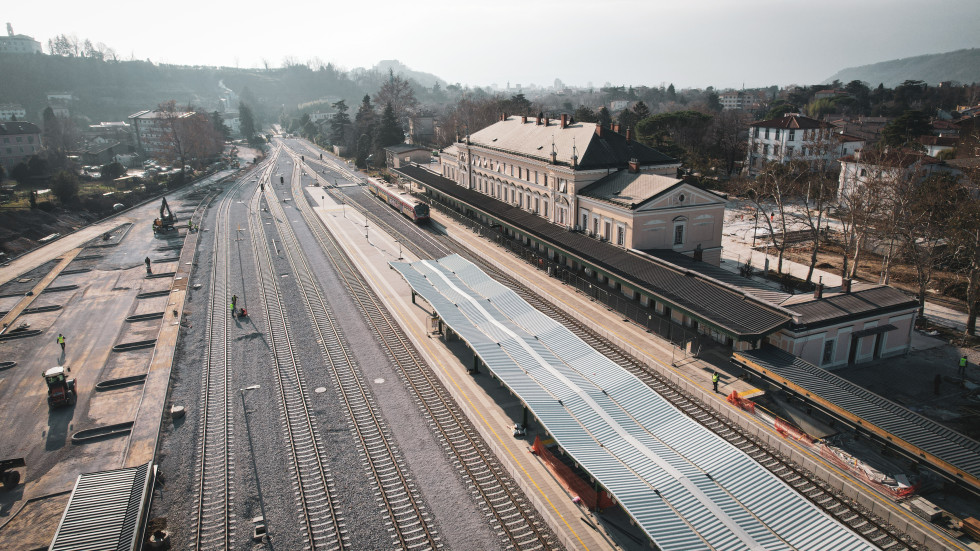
7 365
76 271
135 345
101 433
160 275
90 257
61 288
145 317
112 384
20 334
39 309
162 260
154 294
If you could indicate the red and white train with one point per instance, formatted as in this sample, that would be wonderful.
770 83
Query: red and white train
400 200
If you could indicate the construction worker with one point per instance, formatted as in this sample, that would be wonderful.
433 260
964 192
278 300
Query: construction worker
714 380
234 303
147 261
962 370
61 341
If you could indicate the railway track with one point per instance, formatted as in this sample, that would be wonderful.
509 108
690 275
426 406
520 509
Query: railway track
213 522
512 514
845 510
323 525
411 524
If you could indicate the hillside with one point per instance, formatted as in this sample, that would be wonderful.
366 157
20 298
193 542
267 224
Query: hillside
961 66
110 91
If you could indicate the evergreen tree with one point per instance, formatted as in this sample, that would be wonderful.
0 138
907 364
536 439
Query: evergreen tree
339 124
64 185
671 93
641 110
584 114
389 130
364 120
603 117
246 120
906 129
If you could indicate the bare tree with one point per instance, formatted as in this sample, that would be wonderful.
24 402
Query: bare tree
189 135
772 192
399 93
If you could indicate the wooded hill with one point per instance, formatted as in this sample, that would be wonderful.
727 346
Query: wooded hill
962 66
113 90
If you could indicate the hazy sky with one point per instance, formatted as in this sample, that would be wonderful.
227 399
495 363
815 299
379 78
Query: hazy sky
721 43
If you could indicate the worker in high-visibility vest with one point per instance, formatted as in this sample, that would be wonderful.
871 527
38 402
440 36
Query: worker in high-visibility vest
962 370
714 380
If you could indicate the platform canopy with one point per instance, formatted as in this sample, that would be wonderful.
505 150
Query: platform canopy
106 511
682 484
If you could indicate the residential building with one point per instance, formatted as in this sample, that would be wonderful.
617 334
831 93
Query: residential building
421 129
10 111
106 132
937 144
102 153
866 167
791 137
18 43
618 105
18 141
154 132
318 116
741 100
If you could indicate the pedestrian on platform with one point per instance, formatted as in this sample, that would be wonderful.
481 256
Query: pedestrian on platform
936 382
147 261
963 363
714 380
61 341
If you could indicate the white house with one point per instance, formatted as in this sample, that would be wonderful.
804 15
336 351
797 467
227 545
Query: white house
868 166
791 137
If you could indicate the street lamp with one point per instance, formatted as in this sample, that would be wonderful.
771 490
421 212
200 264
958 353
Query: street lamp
399 249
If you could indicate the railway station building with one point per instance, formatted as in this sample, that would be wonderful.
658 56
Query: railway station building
598 210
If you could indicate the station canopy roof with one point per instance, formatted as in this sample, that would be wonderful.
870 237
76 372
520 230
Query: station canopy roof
683 485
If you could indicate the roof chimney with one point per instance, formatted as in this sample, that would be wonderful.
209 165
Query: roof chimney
523 119
503 116
818 290
564 120
547 121
598 130
615 128
537 121
629 134
845 285
634 165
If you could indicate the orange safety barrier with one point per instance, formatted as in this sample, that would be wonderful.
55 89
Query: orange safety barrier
789 431
569 480
739 402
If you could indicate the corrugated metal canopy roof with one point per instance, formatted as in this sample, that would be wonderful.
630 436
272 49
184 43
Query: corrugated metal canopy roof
714 304
106 511
685 486
948 445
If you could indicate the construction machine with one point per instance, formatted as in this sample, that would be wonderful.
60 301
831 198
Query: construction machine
166 221
61 389
9 477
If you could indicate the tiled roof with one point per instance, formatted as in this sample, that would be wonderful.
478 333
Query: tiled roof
403 147
529 139
629 189
792 121
938 140
836 307
710 302
889 157
18 127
